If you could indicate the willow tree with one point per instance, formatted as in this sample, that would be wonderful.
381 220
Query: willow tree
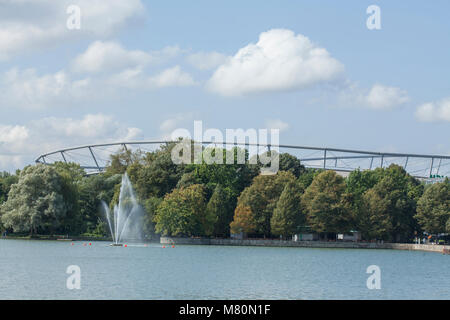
36 201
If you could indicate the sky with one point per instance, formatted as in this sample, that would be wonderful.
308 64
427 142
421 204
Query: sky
138 70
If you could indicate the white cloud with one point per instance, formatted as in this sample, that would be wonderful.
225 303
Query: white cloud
207 60
434 111
378 97
109 56
19 145
9 134
32 24
172 77
27 89
277 124
279 61
174 122
383 97
136 78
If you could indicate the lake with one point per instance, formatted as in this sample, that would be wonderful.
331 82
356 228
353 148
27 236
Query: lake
37 270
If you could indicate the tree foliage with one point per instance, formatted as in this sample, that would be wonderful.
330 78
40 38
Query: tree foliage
244 220
221 205
37 201
262 196
182 212
327 205
433 208
288 215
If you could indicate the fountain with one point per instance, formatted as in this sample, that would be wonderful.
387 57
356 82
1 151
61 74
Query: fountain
128 214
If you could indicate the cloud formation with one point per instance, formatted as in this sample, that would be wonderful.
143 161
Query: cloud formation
378 97
277 124
26 89
438 111
26 25
108 56
207 60
384 97
279 61
20 144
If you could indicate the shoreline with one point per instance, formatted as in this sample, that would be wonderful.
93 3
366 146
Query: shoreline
444 249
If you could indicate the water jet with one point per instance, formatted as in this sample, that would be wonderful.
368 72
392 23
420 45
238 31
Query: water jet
126 221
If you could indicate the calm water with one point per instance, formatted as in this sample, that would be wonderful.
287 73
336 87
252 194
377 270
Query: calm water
37 270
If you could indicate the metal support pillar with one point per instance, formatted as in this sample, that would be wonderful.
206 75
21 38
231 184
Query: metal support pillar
62 154
431 167
95 160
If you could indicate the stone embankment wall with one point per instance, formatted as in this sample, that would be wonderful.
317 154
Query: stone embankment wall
306 244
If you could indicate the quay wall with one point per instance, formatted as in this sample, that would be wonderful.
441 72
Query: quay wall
305 244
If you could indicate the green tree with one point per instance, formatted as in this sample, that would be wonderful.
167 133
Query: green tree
373 218
262 196
433 208
397 192
182 212
36 202
290 163
155 174
120 161
234 177
288 217
6 181
221 205
150 206
357 185
326 204
307 176
92 190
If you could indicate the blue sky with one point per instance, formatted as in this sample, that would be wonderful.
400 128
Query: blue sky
140 69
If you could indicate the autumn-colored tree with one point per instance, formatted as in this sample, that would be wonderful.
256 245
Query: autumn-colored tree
244 221
262 196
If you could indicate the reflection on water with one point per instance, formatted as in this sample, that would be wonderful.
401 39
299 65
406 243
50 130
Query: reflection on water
37 270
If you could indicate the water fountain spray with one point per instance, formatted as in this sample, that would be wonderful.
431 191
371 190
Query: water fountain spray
127 215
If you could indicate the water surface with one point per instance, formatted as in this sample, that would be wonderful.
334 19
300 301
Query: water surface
37 270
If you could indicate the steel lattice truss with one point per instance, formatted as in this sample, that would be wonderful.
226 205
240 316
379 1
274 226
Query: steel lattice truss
94 158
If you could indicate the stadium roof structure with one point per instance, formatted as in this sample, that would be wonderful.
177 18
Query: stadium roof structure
94 158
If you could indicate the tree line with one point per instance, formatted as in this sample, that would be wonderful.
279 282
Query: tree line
214 200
